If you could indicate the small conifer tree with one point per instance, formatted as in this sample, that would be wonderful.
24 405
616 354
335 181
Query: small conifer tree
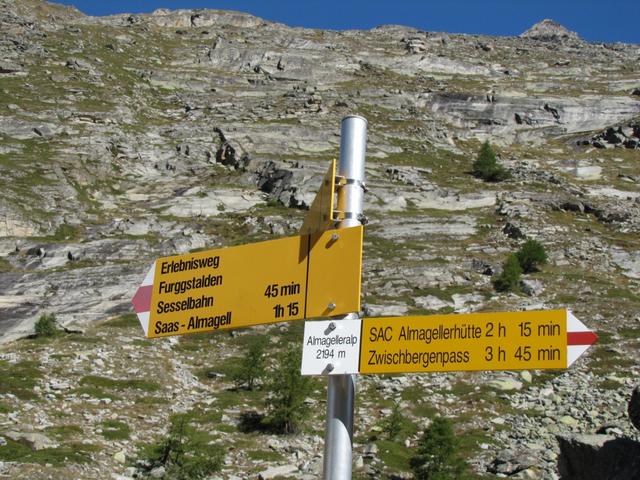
438 457
394 423
46 325
184 453
531 256
288 392
509 279
252 366
487 167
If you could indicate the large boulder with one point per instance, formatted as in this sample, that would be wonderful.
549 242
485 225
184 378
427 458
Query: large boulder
598 457
33 440
634 407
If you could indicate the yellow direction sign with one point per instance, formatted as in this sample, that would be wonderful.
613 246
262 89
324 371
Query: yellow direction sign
320 215
477 341
274 281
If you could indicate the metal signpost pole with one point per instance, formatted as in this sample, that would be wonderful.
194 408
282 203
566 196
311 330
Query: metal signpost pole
341 388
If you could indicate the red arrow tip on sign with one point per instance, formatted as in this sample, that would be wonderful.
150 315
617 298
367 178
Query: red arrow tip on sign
579 338
142 299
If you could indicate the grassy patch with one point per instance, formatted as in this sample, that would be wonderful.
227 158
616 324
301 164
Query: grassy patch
5 265
226 428
115 430
445 294
265 456
605 338
566 299
427 311
629 333
416 395
151 401
225 367
62 432
461 389
73 453
470 441
4 408
623 293
119 384
605 361
394 455
544 376
230 399
95 392
79 338
19 379
198 341
33 341
25 183
67 232
129 320
61 356
424 410
609 385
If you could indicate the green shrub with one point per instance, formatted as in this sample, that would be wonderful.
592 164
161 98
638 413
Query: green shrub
288 391
531 256
46 326
438 456
509 279
487 167
252 366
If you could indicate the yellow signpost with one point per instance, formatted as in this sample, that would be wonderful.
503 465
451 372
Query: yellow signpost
320 215
318 274
277 280
478 341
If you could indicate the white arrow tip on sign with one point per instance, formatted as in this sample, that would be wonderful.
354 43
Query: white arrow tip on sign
579 338
144 321
575 325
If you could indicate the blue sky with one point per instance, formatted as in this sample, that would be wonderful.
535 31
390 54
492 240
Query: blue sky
593 20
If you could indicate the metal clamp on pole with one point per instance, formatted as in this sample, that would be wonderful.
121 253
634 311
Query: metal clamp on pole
338 441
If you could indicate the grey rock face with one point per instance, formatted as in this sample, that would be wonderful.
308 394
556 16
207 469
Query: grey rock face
627 137
628 262
512 116
548 30
131 137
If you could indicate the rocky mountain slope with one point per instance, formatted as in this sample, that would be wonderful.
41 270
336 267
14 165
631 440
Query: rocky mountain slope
129 137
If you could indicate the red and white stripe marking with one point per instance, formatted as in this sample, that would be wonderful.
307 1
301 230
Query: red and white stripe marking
579 338
142 299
